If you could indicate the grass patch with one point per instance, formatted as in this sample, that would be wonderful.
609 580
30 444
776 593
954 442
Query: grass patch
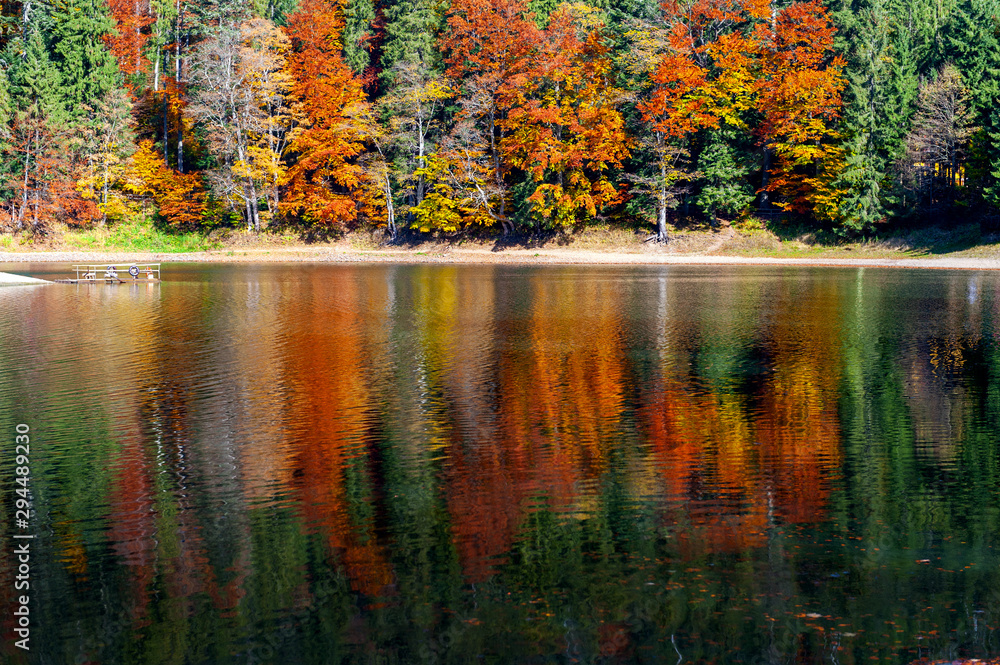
138 236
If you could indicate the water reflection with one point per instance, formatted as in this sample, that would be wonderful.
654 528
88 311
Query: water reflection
417 464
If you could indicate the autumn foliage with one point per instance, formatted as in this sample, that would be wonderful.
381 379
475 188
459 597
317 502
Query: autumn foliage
734 65
325 185
132 18
493 117
180 197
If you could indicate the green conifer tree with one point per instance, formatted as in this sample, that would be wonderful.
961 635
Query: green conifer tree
879 102
359 31
972 44
74 30
725 185
411 32
34 78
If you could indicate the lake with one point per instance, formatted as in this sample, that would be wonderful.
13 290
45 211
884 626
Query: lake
392 464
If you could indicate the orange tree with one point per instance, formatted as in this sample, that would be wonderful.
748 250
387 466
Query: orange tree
744 66
326 184
489 48
707 77
180 198
800 102
563 128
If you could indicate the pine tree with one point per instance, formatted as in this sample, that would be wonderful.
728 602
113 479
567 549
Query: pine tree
411 32
359 33
724 175
879 102
861 203
973 45
35 79
76 31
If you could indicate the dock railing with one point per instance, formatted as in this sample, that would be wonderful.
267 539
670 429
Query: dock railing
122 272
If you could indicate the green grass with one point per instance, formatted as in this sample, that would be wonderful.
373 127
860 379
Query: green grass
138 236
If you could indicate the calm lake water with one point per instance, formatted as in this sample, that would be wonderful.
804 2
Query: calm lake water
382 465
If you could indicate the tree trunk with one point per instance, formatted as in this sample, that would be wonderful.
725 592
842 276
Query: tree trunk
104 198
420 157
166 127
765 201
661 217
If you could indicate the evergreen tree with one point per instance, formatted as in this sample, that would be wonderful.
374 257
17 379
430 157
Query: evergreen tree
726 188
861 204
34 78
973 46
75 29
411 33
359 34
879 102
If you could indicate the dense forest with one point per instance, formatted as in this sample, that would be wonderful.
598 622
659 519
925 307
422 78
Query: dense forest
505 115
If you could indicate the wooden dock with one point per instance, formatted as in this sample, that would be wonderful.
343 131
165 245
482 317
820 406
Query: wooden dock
122 273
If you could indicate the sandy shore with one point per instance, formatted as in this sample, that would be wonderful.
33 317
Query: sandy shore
481 255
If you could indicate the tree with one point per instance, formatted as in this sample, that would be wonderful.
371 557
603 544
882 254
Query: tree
411 31
180 197
707 75
325 183
723 176
76 30
413 106
38 139
489 45
131 19
937 144
242 83
973 46
462 190
107 143
879 99
563 127
800 102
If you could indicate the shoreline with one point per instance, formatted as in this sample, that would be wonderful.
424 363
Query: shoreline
485 256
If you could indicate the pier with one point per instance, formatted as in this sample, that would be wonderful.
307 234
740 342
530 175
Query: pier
122 273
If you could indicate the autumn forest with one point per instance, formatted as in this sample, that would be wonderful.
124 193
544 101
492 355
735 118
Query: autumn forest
497 116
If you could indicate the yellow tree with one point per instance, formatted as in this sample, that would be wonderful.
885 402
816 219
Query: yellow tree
800 100
242 83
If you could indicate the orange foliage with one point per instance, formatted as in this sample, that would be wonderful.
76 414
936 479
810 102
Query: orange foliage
725 58
563 127
556 417
800 101
710 70
180 197
325 183
732 466
489 44
131 18
339 407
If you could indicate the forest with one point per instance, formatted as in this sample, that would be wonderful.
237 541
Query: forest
497 116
